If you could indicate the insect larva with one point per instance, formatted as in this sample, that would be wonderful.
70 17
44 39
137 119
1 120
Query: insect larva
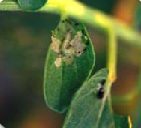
100 93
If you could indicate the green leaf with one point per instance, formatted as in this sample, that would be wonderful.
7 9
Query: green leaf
70 60
31 4
121 121
87 110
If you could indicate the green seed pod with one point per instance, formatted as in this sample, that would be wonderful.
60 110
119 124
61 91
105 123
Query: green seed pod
70 60
31 4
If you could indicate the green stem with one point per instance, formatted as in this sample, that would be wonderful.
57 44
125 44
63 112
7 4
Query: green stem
112 54
93 17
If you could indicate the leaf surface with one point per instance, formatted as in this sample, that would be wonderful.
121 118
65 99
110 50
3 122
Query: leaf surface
88 111
68 64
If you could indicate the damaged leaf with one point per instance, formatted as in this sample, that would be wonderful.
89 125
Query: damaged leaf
70 60
87 110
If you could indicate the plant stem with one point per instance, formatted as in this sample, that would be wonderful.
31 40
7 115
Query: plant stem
112 54
85 14
95 18
130 122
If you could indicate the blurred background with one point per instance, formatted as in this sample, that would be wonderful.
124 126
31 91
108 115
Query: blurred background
24 40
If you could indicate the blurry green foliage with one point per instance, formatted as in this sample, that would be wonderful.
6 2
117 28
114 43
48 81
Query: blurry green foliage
24 40
104 5
138 18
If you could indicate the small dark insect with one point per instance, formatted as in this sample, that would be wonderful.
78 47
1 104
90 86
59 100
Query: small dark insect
100 93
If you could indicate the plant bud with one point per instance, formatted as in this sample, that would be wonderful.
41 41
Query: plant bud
31 4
